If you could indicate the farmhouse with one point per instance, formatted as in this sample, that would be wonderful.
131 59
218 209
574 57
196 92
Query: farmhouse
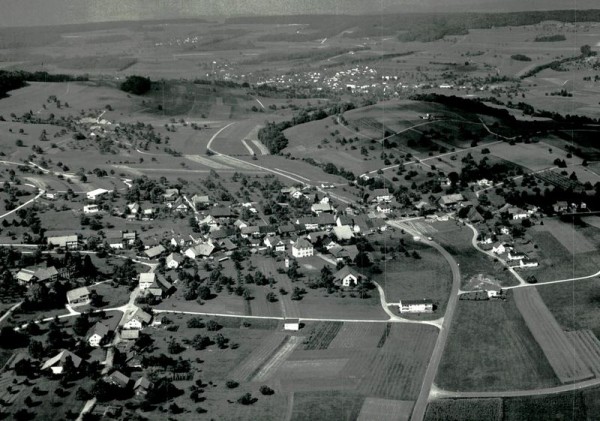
528 263
134 208
29 276
97 334
70 242
57 362
78 296
174 260
416 306
517 213
137 320
382 195
200 202
200 250
302 248
141 386
347 276
170 194
146 280
118 379
291 324
275 243
95 194
154 252
451 200
318 208
515 255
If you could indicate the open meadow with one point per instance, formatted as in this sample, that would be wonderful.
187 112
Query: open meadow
490 348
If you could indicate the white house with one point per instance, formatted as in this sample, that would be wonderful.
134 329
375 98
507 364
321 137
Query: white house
97 334
137 320
302 248
95 194
528 263
134 208
275 243
347 276
500 248
343 233
382 195
146 280
517 213
78 296
515 255
174 260
291 324
416 306
90 209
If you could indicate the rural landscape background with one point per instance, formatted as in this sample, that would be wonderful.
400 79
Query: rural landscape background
278 210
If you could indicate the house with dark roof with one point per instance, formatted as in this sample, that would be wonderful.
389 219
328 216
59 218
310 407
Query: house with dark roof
154 252
57 363
118 379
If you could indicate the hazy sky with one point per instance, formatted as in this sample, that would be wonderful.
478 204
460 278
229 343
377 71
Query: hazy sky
53 12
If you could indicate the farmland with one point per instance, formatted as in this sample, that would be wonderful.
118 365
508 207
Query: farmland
557 348
574 304
491 348
464 410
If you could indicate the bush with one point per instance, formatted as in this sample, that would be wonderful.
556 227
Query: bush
247 399
231 384
266 390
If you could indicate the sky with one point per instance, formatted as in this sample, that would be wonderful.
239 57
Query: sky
58 12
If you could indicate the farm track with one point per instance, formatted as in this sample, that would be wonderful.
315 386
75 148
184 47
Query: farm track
277 359
562 356
252 363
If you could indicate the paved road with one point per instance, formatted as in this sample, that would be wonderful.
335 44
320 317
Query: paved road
10 310
286 174
493 256
420 407
24 204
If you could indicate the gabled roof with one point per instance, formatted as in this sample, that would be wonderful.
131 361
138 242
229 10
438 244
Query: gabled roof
345 271
221 212
118 378
175 257
77 293
451 199
129 334
302 243
142 383
147 277
381 192
286 228
155 251
60 358
99 329
140 315
204 249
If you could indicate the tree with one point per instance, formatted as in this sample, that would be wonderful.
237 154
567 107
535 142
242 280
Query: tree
81 325
586 50
36 349
212 326
136 85
200 342
204 292
271 297
82 394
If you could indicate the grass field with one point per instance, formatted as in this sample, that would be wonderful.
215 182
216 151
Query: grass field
464 410
385 410
491 348
326 405
407 278
568 235
534 156
562 356
574 304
